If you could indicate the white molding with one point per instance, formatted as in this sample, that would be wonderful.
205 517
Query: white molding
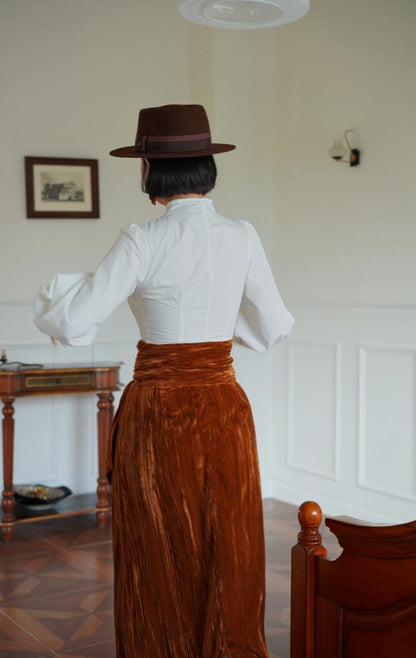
46 475
47 345
343 329
362 306
27 301
362 481
56 469
267 489
384 348
331 505
361 414
111 341
16 302
336 349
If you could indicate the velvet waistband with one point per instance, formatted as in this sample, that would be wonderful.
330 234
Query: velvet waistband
184 364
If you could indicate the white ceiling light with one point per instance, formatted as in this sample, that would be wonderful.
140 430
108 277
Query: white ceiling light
243 14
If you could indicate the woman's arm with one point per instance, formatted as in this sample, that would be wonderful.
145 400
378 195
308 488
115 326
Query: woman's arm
72 306
263 319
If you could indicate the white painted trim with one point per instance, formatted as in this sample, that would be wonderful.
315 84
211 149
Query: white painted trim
336 348
330 505
363 482
362 306
27 301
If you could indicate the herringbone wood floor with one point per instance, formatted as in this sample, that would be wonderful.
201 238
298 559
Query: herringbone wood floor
56 587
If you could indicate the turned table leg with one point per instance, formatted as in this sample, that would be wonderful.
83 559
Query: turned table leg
8 492
104 419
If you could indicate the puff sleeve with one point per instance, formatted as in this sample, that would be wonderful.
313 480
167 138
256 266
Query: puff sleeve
72 306
263 320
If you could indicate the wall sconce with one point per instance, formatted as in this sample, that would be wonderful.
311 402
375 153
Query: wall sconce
338 150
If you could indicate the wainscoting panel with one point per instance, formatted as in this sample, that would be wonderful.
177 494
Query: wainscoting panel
387 452
345 412
314 407
35 451
333 407
56 436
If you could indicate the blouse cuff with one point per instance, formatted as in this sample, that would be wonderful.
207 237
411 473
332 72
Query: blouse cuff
51 306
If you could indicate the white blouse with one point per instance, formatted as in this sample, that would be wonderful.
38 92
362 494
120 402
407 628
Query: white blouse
189 276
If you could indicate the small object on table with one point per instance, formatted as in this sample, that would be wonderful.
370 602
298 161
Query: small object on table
15 365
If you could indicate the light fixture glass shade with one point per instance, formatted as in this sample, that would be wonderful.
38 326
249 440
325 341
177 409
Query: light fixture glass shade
243 14
337 150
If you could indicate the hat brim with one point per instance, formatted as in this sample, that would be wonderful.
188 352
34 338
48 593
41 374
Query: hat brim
130 152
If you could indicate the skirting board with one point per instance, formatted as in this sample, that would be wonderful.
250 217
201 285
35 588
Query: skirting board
329 505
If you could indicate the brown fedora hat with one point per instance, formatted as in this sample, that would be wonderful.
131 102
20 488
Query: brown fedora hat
172 131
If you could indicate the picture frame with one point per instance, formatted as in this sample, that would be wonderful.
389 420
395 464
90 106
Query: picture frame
61 188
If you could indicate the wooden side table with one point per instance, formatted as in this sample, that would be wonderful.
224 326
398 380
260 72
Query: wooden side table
63 379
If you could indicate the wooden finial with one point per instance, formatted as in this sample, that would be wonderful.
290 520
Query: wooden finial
310 517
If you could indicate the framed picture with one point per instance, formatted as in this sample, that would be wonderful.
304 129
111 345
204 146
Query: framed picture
61 188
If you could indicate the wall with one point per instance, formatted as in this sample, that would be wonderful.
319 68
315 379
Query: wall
334 408
349 237
73 88
237 68
342 242
76 75
345 247
75 79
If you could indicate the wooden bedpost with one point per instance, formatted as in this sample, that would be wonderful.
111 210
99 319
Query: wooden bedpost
308 546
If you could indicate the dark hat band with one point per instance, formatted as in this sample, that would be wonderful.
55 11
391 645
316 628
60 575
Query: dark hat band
172 143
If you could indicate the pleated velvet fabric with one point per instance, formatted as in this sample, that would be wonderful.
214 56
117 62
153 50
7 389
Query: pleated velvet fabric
187 511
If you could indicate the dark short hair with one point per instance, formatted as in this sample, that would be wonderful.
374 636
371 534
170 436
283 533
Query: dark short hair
169 176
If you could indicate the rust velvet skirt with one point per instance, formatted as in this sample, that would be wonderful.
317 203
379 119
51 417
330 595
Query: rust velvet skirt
187 510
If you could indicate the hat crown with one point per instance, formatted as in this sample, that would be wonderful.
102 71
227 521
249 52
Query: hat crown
172 120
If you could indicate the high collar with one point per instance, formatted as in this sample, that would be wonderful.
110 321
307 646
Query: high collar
190 205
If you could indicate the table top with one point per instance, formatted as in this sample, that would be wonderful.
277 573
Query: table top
17 380
13 367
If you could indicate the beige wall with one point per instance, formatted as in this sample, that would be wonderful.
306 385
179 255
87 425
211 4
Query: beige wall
73 77
342 235
72 83
335 412
341 241
348 236
346 253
